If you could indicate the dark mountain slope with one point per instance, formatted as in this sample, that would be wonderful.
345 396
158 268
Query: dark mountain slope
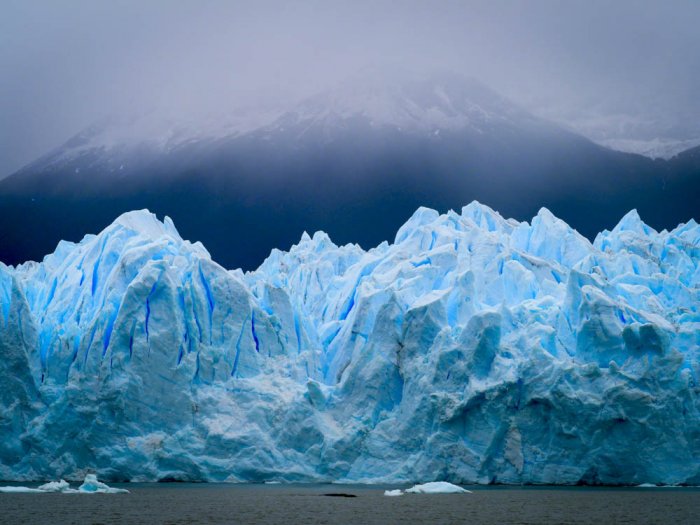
354 162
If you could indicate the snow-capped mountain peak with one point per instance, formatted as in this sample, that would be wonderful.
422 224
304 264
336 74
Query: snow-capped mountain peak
409 102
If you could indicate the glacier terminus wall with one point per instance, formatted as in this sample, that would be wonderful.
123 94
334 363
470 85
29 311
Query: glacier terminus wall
471 349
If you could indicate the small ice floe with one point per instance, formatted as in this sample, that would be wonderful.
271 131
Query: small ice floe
646 486
434 487
52 486
89 486
437 487
92 486
19 489
56 486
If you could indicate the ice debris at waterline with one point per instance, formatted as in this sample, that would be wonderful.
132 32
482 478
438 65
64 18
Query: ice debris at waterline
434 487
56 486
473 349
437 487
90 486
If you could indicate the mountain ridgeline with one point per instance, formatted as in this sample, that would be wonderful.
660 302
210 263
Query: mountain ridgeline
354 161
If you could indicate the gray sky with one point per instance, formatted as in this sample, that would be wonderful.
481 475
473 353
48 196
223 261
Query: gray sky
620 68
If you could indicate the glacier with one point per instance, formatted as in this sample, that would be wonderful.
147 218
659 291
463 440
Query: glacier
472 349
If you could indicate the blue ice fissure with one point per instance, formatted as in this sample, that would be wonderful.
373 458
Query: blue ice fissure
148 307
82 271
131 339
76 347
622 317
110 327
328 340
351 302
196 322
108 332
194 314
452 309
255 336
96 267
92 337
181 300
148 315
423 262
207 290
210 302
366 270
52 292
5 304
234 368
433 238
44 348
296 331
349 307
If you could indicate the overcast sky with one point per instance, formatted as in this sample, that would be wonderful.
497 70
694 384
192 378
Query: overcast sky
589 64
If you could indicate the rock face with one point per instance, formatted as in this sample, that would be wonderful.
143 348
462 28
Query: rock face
472 349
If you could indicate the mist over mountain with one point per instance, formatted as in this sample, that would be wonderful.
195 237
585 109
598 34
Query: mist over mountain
354 161
624 74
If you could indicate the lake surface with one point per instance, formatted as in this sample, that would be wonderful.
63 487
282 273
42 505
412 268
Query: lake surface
186 503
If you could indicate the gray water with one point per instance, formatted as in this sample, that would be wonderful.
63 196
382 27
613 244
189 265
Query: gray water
186 503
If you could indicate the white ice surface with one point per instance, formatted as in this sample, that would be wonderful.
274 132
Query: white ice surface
473 348
90 486
437 487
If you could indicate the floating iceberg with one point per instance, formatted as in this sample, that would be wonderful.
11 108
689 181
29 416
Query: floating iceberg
89 486
92 486
56 486
52 486
433 487
20 490
437 487
472 348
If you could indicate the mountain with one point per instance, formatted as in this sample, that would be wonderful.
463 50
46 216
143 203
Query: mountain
354 161
471 349
654 148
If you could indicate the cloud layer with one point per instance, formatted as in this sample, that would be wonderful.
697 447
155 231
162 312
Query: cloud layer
628 70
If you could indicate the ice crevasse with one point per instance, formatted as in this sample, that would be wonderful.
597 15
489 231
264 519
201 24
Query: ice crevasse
471 349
